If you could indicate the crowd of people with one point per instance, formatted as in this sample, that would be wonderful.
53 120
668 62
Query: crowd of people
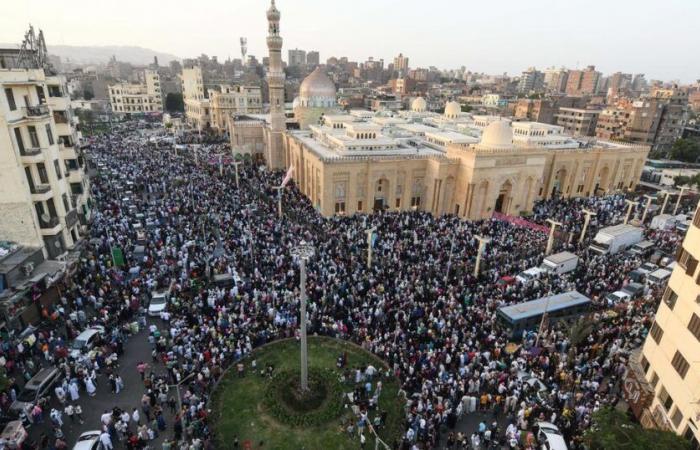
418 306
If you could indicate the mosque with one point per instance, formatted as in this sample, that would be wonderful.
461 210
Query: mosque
359 161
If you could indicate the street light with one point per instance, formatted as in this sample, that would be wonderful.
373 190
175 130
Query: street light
303 252
177 389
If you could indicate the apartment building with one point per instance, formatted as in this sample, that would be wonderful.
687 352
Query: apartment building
666 392
137 98
582 82
578 121
44 190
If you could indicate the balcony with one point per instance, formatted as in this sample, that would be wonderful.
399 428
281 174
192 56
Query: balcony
31 155
41 192
53 222
34 112
71 218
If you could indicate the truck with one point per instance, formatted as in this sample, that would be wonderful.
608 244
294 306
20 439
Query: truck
560 263
663 222
614 239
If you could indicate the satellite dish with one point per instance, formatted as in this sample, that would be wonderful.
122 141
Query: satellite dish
57 244
45 218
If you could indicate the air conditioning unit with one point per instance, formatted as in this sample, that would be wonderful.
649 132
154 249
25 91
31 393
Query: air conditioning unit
28 268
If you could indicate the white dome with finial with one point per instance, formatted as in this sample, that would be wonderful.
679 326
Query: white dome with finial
497 136
419 105
452 110
317 90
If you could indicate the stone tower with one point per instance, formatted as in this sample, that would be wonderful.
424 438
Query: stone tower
275 80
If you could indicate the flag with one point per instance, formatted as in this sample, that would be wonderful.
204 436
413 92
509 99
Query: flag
288 176
117 256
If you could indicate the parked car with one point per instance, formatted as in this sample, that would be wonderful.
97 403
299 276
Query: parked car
84 342
37 387
617 297
90 440
158 303
549 437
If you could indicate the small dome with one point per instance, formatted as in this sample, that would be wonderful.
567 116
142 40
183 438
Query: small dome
452 110
317 84
498 135
419 105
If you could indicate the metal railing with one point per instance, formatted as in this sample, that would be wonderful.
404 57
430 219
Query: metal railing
36 111
40 189
31 151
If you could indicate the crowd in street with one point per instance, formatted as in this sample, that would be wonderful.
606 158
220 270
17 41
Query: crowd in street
419 306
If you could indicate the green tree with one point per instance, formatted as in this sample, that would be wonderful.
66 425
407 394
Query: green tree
687 150
612 429
174 102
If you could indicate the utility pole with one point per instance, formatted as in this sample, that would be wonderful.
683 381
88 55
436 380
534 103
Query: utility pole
646 208
663 207
585 224
678 202
630 204
482 244
279 200
550 241
235 166
369 232
303 251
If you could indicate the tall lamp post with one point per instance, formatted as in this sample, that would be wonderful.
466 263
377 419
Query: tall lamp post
585 224
235 166
630 205
303 252
663 207
177 389
550 241
678 202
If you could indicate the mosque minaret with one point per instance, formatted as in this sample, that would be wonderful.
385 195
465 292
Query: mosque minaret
275 80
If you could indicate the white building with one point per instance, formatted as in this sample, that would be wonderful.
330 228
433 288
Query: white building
137 98
43 187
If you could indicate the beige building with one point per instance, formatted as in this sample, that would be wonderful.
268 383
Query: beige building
137 98
43 186
471 166
578 121
670 360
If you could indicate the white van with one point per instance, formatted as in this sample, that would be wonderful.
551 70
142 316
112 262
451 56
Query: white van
549 437
658 277
529 275
84 342
560 263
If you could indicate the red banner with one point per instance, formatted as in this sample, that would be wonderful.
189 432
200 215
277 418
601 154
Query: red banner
520 222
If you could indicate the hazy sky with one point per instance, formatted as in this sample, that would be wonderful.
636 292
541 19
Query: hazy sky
659 38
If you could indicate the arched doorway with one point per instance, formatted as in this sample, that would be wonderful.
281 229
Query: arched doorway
559 182
503 199
603 181
381 191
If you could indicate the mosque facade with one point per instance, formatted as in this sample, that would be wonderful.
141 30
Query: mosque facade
452 163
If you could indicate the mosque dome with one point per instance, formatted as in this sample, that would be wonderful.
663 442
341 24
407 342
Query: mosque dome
317 85
419 105
497 135
452 110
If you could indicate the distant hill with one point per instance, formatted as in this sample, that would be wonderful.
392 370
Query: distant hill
102 54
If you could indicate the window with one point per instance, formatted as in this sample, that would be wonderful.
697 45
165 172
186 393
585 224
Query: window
359 205
49 134
398 203
66 202
644 362
57 166
686 261
20 141
665 399
10 99
680 364
415 201
43 174
656 332
40 95
694 326
677 417
654 380
670 297
696 218
33 137
339 207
